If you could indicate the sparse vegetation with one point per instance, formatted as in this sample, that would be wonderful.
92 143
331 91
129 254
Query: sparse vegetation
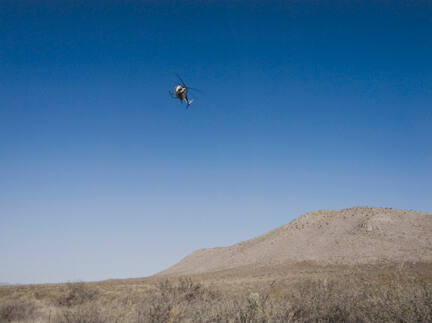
12 310
378 294
76 294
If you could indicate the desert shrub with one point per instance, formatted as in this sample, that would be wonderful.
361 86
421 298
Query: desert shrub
321 301
361 301
185 289
16 310
76 294
409 302
189 290
80 314
176 301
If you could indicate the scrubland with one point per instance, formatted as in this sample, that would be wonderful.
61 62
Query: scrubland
361 264
296 293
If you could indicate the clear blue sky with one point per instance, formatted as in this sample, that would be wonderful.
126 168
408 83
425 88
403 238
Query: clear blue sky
305 105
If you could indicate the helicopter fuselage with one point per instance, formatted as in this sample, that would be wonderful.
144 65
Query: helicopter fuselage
181 92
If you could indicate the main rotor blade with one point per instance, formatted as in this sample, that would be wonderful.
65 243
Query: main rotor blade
195 89
181 80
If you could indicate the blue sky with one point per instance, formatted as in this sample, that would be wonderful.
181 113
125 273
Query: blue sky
305 105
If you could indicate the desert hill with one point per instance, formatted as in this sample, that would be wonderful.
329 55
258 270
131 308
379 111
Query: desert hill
361 235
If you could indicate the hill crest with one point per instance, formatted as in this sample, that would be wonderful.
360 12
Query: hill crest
359 235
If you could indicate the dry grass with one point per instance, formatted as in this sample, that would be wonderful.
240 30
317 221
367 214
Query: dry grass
76 294
17 310
310 294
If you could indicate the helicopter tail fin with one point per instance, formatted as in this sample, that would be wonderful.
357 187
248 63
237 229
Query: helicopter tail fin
188 103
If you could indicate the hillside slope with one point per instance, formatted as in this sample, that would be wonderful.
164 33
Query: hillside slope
360 235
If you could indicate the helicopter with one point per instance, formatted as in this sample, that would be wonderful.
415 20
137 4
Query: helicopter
181 91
